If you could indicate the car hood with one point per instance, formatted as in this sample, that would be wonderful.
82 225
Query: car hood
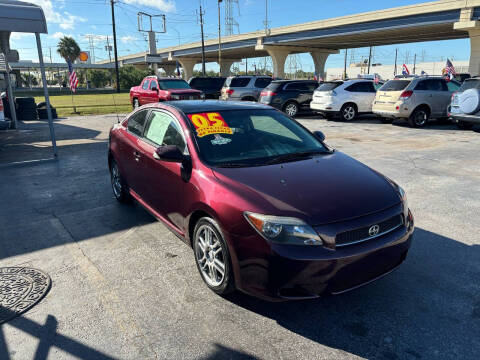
325 189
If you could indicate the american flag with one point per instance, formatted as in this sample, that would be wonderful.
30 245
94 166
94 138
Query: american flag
73 77
450 69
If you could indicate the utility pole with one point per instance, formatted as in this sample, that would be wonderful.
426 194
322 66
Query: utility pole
112 4
369 60
219 41
203 41
414 63
395 69
266 22
345 66
109 48
246 66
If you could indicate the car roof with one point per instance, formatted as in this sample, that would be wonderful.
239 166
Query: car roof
289 81
199 106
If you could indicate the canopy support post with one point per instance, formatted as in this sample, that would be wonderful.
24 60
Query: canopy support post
45 91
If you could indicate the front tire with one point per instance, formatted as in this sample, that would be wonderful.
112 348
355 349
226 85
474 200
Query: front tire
291 108
348 112
212 256
119 187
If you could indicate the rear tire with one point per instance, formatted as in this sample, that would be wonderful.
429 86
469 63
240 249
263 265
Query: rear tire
463 125
119 187
419 118
290 108
212 256
348 112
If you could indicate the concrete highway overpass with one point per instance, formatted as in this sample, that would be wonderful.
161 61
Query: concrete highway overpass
438 20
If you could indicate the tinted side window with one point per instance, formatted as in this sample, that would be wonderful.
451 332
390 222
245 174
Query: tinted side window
435 85
262 82
422 85
145 84
238 82
452 86
136 122
164 130
361 87
293 86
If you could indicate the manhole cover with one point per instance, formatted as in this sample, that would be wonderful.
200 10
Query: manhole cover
20 289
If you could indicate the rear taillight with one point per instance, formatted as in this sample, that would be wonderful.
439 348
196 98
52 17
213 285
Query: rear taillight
268 93
229 91
453 95
406 94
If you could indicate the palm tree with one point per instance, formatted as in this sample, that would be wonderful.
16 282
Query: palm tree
68 48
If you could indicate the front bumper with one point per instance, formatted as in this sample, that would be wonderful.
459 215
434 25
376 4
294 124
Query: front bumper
285 272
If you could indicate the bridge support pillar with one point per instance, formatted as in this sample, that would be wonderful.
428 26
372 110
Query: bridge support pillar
466 23
278 59
169 69
226 65
319 60
187 66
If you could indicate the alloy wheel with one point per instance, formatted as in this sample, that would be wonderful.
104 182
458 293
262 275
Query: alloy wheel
420 118
348 113
116 181
291 109
210 257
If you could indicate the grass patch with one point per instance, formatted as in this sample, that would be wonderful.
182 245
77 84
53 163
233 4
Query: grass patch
89 104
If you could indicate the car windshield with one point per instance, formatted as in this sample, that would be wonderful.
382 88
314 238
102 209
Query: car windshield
395 85
173 84
329 86
243 138
470 84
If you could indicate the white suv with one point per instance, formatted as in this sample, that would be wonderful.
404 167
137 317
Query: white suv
345 98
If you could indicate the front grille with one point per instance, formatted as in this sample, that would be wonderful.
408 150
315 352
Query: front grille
362 234
189 97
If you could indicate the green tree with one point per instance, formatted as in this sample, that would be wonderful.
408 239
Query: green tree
99 78
68 48
132 76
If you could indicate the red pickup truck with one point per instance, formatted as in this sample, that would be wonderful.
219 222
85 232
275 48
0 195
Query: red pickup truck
155 89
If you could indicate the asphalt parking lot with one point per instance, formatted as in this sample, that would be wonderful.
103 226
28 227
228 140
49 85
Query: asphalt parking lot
124 287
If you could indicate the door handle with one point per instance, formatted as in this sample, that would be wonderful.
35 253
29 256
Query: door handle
137 156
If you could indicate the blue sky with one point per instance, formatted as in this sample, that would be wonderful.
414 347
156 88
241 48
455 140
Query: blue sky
78 18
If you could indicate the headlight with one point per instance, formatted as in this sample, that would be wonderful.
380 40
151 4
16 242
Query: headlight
175 97
283 230
403 195
202 96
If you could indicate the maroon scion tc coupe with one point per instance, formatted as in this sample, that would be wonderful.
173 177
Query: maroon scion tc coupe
266 205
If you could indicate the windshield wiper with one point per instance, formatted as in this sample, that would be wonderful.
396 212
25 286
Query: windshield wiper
232 165
294 156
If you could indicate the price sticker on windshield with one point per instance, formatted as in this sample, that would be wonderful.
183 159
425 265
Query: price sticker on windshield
209 123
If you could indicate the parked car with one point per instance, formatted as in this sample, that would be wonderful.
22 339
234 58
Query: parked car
245 88
415 99
464 108
154 89
210 86
346 99
290 96
266 205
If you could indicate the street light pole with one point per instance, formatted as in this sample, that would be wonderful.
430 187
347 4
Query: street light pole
112 4
203 41
219 40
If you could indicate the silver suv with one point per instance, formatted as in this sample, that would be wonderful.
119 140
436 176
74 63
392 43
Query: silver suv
414 99
245 88
464 109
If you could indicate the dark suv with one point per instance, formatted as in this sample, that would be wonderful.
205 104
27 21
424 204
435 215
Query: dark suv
210 86
290 96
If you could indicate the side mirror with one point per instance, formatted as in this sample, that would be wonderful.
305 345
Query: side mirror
319 135
170 153
154 89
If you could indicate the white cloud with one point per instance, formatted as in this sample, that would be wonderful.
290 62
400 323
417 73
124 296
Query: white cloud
128 39
19 35
163 5
64 19
57 35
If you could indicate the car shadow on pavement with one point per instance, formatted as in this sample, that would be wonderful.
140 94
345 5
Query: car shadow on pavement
428 308
47 337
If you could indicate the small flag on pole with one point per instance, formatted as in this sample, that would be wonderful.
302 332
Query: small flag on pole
73 77
450 69
405 70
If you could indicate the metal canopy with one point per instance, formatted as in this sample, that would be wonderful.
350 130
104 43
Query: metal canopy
19 16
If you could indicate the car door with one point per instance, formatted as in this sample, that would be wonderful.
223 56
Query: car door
260 84
368 95
152 93
438 97
143 97
305 94
129 161
355 94
161 185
